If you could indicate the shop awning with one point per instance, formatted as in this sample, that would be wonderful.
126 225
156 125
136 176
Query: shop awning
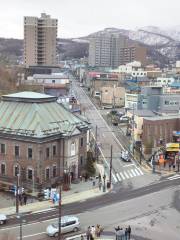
172 147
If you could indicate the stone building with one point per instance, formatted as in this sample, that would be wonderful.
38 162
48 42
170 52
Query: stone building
40 140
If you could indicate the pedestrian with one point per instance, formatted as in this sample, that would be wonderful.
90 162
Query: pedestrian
93 182
20 199
25 199
88 233
129 232
100 185
126 234
92 233
169 166
117 232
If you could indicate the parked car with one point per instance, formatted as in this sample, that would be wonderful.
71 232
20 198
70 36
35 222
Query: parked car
125 156
68 224
124 119
3 219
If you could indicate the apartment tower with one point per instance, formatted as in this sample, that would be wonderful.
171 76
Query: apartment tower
40 36
104 49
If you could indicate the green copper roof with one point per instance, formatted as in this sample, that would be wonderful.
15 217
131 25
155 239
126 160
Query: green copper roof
31 116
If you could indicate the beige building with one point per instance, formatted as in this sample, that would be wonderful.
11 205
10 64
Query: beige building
40 40
113 96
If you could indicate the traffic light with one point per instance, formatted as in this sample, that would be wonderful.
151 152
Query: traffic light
47 194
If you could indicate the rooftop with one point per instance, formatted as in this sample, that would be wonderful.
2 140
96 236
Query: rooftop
143 113
164 117
36 115
28 97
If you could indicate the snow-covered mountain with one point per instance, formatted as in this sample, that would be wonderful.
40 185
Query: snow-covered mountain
165 41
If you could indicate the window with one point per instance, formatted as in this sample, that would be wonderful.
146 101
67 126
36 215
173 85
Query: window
54 150
16 151
3 169
82 142
73 149
47 173
47 152
81 160
53 81
3 148
30 173
54 171
29 153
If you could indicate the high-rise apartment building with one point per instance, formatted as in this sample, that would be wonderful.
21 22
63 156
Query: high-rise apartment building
104 49
40 40
113 50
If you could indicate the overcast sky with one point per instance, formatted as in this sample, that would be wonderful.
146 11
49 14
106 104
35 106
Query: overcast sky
81 17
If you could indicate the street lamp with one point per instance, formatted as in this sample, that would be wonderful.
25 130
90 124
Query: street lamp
104 186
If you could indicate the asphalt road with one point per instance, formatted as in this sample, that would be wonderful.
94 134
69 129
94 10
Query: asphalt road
107 137
120 207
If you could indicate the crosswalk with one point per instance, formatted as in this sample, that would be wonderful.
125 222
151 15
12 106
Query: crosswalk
127 174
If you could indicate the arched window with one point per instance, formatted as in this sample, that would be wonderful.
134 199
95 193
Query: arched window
54 171
47 173
3 169
73 148
30 173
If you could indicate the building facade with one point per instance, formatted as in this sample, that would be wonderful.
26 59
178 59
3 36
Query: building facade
159 130
104 50
40 40
40 140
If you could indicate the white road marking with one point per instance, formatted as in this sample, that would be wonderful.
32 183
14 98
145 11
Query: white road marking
130 174
44 210
140 171
122 176
174 177
126 175
131 164
133 172
32 235
118 177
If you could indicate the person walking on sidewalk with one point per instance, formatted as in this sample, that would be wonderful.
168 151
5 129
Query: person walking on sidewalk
126 234
100 185
25 199
88 233
129 232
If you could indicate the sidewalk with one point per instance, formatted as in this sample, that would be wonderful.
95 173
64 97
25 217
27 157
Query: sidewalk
78 192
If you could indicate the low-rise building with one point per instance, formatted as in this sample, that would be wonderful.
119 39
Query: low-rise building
113 96
158 130
39 139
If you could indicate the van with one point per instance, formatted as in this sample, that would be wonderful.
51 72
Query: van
68 224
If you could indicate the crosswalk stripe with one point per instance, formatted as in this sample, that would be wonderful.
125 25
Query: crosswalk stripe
138 174
174 177
130 174
140 171
122 176
126 175
115 178
118 177
134 174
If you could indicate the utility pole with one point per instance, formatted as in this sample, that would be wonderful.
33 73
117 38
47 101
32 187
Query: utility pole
133 132
96 147
17 194
110 172
60 213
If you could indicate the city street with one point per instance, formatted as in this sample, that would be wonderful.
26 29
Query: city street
123 172
152 212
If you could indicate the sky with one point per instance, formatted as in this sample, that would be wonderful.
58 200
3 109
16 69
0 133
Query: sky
78 18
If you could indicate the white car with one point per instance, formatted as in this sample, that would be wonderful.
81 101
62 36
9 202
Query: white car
125 156
3 219
68 224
